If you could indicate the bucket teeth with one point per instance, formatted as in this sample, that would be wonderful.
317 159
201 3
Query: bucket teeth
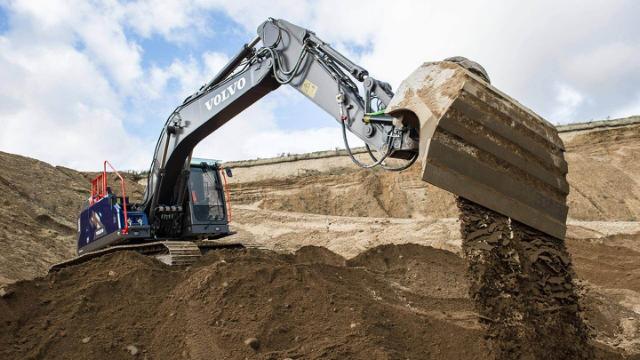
479 143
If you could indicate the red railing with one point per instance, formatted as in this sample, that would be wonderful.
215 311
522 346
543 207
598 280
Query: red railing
227 193
99 191
98 188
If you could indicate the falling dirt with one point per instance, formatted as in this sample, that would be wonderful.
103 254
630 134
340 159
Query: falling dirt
521 283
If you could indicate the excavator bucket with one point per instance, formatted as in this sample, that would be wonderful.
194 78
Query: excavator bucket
480 144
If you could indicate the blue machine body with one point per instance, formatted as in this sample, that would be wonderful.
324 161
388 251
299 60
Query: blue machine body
204 213
103 223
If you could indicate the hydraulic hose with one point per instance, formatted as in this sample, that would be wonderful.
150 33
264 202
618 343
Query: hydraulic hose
388 168
353 158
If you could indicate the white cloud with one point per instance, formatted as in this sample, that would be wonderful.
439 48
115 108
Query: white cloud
527 47
631 107
172 19
255 133
94 26
68 68
605 65
61 109
567 102
66 103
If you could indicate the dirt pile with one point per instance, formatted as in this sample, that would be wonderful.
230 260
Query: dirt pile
391 302
237 304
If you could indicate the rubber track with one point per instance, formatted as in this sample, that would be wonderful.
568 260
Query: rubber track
169 252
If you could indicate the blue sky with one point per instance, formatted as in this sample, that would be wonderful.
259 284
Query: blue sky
87 80
3 20
226 38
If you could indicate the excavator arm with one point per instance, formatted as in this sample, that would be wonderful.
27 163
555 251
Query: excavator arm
470 138
289 55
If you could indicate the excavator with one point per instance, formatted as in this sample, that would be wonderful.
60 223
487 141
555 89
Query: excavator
470 139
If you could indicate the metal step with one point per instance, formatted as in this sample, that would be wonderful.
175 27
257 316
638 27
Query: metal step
179 253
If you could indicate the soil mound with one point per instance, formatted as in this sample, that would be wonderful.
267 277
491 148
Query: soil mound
390 302
311 254
237 304
428 271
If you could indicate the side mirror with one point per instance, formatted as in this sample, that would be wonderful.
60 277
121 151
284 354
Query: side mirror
228 172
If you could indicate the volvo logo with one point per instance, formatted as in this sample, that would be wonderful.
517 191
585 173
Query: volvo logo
226 93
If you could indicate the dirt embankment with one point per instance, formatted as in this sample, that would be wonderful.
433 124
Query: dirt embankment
603 174
349 192
386 302
392 302
39 206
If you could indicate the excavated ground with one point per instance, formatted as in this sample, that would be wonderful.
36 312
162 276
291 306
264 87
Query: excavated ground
392 302
508 298
604 177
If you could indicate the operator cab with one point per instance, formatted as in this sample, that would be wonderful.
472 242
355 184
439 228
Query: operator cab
207 210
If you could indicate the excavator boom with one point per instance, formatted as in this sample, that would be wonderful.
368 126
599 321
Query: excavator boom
471 139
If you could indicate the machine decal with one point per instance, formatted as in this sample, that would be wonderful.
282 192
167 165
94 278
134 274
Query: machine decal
96 223
226 93
308 88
